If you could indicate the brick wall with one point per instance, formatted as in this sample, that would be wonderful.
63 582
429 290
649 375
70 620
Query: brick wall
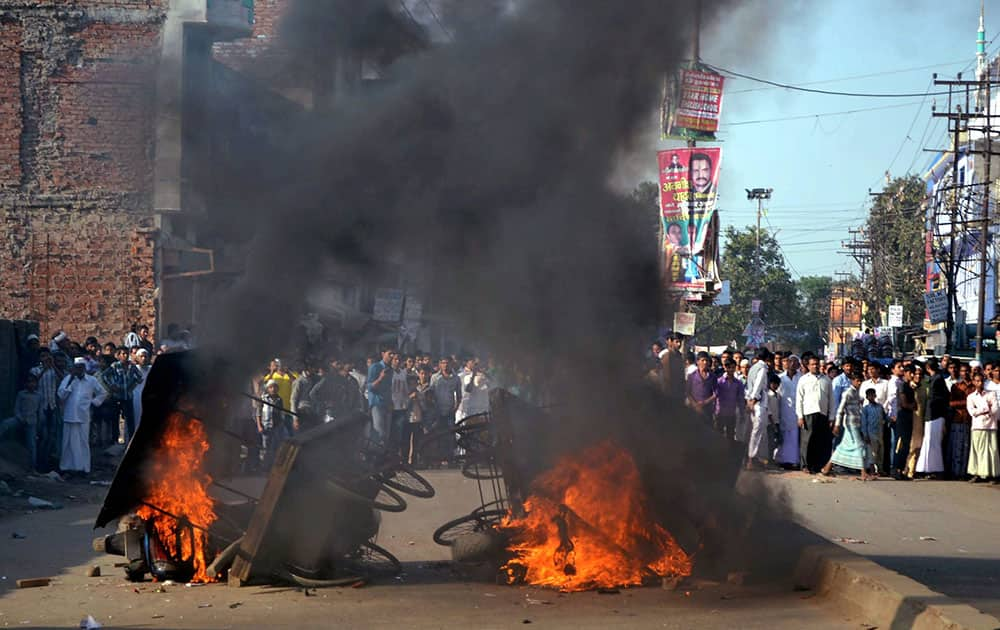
79 268
10 104
104 109
256 55
77 96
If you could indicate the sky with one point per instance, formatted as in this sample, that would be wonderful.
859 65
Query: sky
822 167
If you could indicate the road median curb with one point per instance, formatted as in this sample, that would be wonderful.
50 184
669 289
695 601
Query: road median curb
881 596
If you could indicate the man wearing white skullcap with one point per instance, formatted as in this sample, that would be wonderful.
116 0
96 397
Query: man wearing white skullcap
59 341
78 392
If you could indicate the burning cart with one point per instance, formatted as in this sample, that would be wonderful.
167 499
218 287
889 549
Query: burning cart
314 521
553 514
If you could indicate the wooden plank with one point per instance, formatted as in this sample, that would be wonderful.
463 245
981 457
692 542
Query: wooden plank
240 572
33 582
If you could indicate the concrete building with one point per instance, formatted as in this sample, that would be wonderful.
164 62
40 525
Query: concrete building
846 318
957 189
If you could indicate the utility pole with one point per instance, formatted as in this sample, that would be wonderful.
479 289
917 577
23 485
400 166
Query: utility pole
696 36
876 301
860 249
843 275
958 124
760 194
984 229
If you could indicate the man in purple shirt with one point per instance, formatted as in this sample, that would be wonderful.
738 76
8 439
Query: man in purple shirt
701 389
729 394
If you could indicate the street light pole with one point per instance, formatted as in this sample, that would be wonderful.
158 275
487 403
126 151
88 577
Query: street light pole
760 194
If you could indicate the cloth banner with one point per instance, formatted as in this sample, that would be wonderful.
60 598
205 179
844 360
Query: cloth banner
689 180
692 104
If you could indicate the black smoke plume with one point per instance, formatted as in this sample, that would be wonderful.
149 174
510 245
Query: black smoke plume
485 157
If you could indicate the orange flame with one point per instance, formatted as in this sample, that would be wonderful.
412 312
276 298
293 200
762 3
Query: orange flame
587 526
180 487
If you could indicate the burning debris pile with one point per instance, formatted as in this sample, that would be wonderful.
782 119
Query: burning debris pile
586 525
181 518
179 508
559 514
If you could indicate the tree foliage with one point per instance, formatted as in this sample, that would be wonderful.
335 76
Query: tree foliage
895 229
767 279
814 313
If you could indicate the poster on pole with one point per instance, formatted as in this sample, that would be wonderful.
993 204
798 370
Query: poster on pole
937 306
689 179
692 104
684 323
896 316
754 332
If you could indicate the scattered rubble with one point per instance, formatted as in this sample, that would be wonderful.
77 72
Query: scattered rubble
89 623
737 578
43 504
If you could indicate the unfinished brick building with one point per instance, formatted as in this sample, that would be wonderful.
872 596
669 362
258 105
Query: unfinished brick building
125 132
94 118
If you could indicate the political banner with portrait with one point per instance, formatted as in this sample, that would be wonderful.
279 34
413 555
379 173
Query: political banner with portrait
689 180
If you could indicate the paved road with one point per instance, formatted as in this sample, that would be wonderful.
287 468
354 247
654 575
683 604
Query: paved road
431 594
962 560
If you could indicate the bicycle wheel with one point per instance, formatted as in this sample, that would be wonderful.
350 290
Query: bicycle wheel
473 434
403 478
371 560
470 523
386 499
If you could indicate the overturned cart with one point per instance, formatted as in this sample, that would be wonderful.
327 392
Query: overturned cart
185 514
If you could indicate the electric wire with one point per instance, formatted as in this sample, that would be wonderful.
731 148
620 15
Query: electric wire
789 86
856 76
437 19
909 130
819 115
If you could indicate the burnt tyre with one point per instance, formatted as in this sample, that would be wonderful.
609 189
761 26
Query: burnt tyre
476 522
477 547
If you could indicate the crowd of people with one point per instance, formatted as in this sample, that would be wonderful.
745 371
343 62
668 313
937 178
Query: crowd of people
408 397
904 418
77 396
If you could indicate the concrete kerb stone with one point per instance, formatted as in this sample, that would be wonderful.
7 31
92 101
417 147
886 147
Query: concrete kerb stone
881 596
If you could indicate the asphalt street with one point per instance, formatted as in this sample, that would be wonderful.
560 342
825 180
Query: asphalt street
432 593
943 534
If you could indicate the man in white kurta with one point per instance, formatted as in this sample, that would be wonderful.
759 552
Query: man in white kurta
78 392
141 362
788 453
756 396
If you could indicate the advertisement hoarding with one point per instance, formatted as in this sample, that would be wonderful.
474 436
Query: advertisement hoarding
689 180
